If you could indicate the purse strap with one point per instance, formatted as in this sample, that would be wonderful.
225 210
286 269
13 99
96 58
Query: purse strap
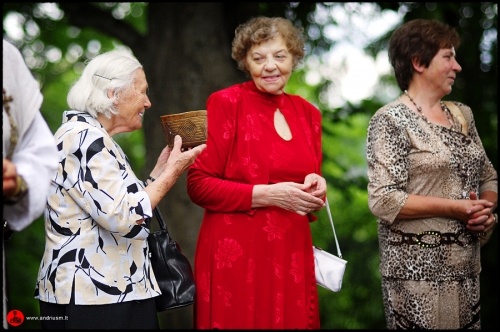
159 217
156 211
331 222
458 115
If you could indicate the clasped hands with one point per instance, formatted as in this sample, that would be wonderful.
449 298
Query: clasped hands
480 217
301 198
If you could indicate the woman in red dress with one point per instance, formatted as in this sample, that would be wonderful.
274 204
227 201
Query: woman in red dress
258 181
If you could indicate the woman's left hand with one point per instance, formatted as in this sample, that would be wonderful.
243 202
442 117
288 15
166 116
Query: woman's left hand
481 221
317 185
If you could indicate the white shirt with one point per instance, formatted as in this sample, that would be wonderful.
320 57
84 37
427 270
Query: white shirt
35 154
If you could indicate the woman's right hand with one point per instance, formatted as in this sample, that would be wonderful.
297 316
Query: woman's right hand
481 219
161 163
175 164
290 196
468 207
464 210
179 161
9 178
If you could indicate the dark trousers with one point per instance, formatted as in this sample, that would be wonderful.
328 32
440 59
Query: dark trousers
125 315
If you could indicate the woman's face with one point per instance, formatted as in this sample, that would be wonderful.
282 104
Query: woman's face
132 103
442 70
270 65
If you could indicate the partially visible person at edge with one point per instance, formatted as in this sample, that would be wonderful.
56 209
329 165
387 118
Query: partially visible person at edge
258 181
29 150
431 186
96 269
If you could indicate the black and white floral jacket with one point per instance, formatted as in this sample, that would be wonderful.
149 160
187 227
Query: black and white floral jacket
93 240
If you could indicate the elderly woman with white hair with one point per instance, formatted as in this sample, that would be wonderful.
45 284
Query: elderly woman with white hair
95 271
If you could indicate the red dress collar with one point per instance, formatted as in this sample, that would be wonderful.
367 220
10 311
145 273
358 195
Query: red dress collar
275 101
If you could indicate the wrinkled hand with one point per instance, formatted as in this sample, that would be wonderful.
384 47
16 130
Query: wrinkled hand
174 162
294 197
161 163
179 161
317 185
9 178
481 219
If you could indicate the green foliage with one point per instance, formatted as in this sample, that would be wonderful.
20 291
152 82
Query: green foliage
133 146
23 254
54 103
359 304
134 13
345 170
344 167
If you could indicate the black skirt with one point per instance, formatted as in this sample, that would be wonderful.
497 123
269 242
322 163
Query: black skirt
135 314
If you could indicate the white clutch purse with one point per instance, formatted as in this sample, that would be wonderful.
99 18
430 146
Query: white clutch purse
329 268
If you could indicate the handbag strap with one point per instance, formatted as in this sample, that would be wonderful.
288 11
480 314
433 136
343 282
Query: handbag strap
457 113
159 217
331 222
156 211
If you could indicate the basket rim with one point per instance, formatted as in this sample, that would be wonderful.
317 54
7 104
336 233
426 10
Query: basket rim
186 114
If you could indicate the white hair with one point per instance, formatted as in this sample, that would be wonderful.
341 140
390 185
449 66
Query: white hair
107 71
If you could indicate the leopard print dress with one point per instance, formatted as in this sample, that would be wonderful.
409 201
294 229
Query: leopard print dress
430 267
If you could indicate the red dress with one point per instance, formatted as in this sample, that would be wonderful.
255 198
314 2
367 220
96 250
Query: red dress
254 268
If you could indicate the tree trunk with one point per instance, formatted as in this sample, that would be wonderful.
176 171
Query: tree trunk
186 56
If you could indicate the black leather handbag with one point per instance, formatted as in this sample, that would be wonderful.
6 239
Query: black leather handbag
172 269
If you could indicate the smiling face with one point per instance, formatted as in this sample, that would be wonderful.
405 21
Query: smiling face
270 65
132 104
443 69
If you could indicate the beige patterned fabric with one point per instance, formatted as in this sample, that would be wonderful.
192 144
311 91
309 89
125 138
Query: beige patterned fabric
92 237
406 155
433 305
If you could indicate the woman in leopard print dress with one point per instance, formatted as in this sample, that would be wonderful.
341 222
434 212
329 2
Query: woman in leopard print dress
431 186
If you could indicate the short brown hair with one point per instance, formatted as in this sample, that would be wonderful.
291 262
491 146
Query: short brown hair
421 40
261 29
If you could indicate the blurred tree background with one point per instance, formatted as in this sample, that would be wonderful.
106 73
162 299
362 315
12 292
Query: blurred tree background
185 49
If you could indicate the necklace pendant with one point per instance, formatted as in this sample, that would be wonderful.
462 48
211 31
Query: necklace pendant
465 195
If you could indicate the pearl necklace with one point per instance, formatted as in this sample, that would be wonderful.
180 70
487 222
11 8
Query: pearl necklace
443 107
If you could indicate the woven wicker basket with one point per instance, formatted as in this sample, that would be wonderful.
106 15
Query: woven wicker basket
191 126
